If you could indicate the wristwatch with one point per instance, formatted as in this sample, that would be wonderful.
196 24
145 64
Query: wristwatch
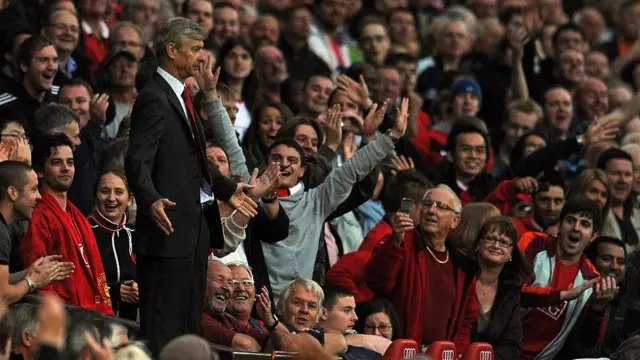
270 199
32 286
275 323
392 136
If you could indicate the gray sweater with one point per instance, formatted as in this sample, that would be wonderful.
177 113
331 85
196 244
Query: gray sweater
307 210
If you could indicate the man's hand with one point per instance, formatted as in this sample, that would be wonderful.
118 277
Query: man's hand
356 92
373 120
401 163
568 295
601 131
98 108
241 202
47 269
527 185
604 291
160 217
129 292
267 183
263 308
8 148
401 223
22 152
401 118
333 127
517 39
349 147
207 79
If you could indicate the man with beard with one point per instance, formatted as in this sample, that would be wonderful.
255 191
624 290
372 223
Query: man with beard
59 228
219 327
38 65
623 221
19 186
315 95
566 302
271 72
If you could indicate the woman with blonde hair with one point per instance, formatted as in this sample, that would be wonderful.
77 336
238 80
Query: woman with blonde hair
472 218
595 185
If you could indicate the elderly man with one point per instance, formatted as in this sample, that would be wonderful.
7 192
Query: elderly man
220 327
243 296
300 309
271 70
427 279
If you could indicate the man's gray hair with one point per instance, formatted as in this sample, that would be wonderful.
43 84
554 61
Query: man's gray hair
53 118
457 205
308 285
26 319
58 10
177 30
631 148
242 265
630 138
123 24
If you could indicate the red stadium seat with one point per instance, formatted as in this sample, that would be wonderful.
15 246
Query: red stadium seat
479 351
442 350
402 349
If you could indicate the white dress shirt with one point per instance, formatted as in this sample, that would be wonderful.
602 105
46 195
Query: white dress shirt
178 87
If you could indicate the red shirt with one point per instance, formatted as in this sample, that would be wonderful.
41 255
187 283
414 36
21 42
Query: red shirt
441 295
542 325
222 328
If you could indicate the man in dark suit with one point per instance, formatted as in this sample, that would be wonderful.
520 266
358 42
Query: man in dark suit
178 219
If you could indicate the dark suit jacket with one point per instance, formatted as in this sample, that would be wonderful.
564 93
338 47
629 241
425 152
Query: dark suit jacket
162 162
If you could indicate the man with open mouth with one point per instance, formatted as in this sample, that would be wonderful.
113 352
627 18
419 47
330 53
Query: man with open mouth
565 306
38 66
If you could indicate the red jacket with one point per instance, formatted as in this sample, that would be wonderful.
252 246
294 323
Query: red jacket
506 195
392 271
375 236
348 273
525 225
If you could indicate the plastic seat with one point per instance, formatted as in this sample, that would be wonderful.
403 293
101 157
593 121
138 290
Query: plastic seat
401 349
479 351
442 350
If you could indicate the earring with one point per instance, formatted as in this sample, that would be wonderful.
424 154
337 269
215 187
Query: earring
510 259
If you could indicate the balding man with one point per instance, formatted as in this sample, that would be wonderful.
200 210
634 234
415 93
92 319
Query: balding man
265 31
426 278
271 69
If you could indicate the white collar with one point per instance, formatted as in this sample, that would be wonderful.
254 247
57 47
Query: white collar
295 189
104 29
174 83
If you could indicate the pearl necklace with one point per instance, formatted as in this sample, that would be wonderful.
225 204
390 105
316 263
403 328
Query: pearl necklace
436 259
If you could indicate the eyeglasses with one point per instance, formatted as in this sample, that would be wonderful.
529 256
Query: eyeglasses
245 283
381 327
503 243
440 206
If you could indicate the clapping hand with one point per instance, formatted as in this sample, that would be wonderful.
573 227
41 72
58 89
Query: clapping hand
263 307
47 269
129 292
98 108
373 120
333 127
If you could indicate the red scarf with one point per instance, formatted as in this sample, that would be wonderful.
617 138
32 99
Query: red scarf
87 287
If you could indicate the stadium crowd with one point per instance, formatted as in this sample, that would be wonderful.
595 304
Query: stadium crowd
319 176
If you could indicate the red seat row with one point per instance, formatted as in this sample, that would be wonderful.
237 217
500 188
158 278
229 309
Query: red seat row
439 350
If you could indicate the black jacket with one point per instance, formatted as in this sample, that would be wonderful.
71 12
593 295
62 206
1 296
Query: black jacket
163 162
504 331
479 188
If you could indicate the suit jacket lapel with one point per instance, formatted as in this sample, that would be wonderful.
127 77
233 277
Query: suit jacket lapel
173 98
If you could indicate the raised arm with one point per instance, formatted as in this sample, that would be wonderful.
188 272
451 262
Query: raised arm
340 181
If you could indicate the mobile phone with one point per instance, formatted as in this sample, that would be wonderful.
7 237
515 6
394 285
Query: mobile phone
405 205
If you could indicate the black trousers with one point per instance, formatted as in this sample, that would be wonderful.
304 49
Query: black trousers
172 293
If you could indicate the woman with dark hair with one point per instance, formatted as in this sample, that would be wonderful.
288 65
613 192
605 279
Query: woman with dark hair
267 118
501 270
115 242
236 61
377 317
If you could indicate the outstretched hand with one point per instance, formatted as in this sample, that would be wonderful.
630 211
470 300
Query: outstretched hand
374 119
243 203
265 184
601 131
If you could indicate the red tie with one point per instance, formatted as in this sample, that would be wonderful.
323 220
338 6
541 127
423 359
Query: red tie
186 96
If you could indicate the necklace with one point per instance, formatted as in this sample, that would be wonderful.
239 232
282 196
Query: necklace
436 259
